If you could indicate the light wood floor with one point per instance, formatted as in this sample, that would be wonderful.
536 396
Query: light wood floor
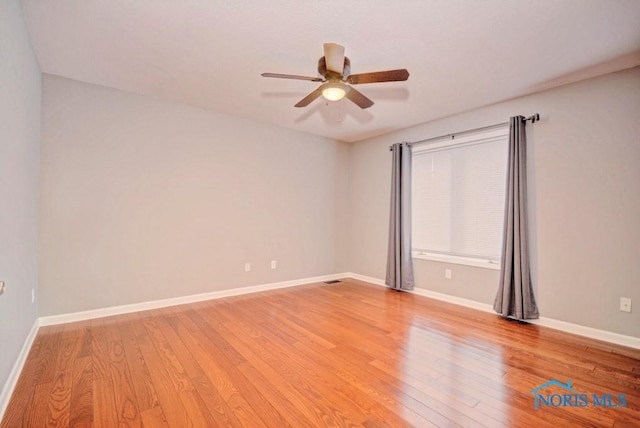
346 354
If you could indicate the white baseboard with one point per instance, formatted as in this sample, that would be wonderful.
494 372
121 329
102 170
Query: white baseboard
590 332
484 307
369 279
580 330
11 382
156 304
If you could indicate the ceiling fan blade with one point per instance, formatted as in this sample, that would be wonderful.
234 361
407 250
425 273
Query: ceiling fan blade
358 98
379 76
292 76
334 57
312 96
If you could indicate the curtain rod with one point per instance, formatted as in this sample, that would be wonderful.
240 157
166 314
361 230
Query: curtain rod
533 118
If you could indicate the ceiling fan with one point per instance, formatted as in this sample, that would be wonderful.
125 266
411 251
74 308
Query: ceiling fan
334 69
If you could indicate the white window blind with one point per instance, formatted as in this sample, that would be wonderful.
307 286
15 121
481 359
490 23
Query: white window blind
458 195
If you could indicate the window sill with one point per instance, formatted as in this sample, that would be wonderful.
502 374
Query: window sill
447 258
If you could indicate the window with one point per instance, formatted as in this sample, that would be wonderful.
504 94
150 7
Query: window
458 196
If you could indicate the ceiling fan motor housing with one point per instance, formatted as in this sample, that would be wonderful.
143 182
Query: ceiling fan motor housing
332 75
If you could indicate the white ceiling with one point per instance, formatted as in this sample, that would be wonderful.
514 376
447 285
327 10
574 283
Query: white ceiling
462 54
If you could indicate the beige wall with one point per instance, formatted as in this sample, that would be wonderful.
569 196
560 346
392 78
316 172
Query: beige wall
584 205
145 199
19 157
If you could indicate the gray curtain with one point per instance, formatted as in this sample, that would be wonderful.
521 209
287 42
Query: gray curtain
515 297
399 261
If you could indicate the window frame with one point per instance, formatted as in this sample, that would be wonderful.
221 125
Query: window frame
467 139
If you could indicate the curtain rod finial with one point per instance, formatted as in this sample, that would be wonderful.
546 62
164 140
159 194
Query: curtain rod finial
533 118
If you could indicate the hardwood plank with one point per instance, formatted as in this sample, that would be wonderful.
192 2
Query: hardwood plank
389 395
347 354
81 408
104 403
60 400
217 406
164 350
154 418
100 337
36 410
165 355
43 368
125 398
347 342
224 371
144 390
72 345
16 414
213 383
173 409
290 381
338 389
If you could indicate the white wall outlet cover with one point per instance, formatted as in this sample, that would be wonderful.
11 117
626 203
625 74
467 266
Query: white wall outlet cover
625 304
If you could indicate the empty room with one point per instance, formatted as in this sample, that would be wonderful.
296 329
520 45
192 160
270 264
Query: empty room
320 214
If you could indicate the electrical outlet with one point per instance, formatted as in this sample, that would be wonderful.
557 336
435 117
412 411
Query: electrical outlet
247 267
33 295
447 273
625 304
274 264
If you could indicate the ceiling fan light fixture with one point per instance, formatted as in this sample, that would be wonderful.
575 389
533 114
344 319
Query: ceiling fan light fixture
334 71
334 91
